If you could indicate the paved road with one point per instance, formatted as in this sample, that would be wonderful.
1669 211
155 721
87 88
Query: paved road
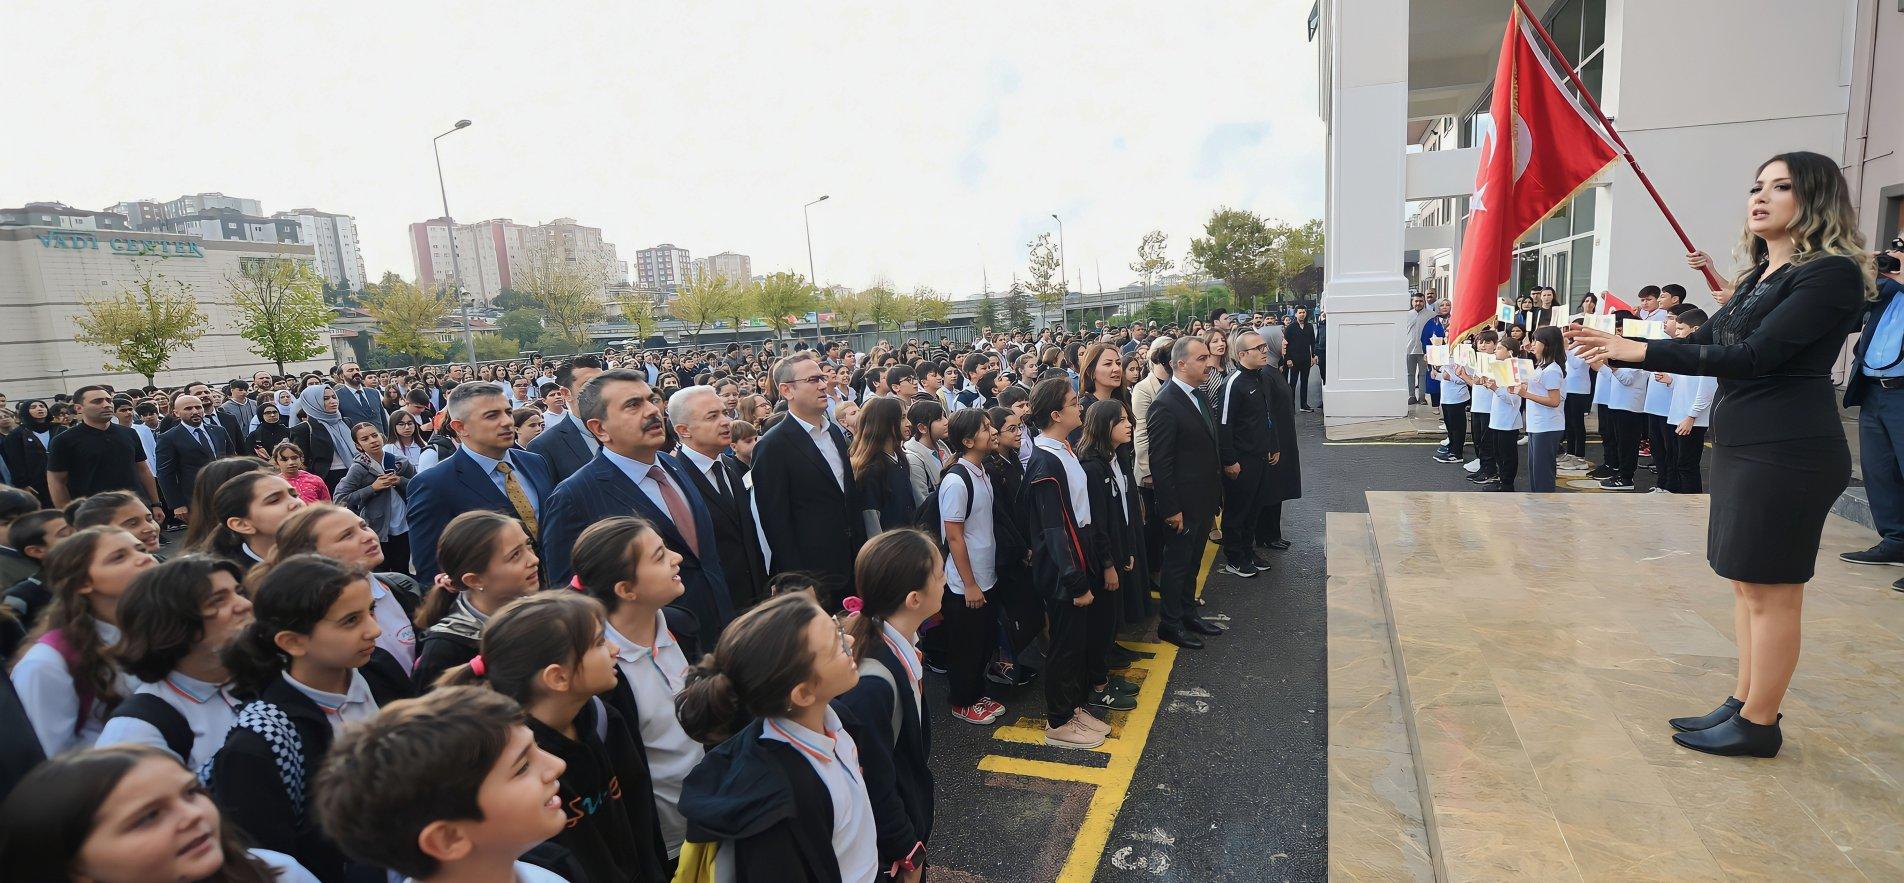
1220 774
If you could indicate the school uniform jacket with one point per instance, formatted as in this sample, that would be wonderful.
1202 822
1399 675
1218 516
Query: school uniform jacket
611 831
1062 560
249 777
908 751
1113 513
26 460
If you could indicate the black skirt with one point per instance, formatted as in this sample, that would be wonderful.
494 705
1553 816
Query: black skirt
1769 504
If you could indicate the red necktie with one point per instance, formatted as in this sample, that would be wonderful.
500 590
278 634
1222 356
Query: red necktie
677 507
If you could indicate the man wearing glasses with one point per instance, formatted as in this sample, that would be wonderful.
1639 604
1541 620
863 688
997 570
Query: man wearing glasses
804 495
1247 446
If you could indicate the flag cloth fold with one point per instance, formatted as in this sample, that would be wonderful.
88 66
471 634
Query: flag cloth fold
1544 146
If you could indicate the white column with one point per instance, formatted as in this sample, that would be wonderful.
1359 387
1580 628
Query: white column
1363 289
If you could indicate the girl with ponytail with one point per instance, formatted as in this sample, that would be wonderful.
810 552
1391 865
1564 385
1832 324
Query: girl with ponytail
486 561
550 652
310 656
766 796
68 678
901 581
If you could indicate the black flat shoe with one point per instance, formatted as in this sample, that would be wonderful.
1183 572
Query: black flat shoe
1203 628
1187 642
1737 737
1719 715
1279 545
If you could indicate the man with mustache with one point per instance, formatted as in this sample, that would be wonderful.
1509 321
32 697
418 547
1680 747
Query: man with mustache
632 476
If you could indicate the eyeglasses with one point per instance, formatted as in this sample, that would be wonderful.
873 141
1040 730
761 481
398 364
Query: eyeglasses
815 380
1261 347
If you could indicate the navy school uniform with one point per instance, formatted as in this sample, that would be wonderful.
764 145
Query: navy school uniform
876 703
611 833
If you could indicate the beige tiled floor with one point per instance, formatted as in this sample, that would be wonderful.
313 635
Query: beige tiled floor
1544 640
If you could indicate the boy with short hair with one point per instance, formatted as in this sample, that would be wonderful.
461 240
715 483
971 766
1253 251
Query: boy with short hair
29 537
445 788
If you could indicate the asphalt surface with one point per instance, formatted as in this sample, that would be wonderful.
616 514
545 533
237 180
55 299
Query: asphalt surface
1231 783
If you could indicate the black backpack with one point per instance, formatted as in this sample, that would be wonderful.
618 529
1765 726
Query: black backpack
927 518
164 718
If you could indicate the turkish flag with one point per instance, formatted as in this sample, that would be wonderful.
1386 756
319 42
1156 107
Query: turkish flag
1544 147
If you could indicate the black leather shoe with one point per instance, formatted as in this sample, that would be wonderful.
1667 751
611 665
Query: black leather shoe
1172 636
1719 715
1898 586
1279 545
1737 737
1202 628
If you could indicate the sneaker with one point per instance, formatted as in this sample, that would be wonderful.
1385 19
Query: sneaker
1113 700
1659 490
1875 555
1119 685
1441 449
988 702
1898 586
1093 721
1472 466
1492 484
934 666
1074 734
1523 440
1646 448
1616 484
1006 675
977 713
1243 570
1443 443
1600 472
1480 478
1447 458
1262 561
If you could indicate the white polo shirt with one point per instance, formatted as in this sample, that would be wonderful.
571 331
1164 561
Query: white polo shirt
981 542
656 675
835 759
209 709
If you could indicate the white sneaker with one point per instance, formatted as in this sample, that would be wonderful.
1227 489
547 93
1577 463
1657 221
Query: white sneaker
1523 440
1473 466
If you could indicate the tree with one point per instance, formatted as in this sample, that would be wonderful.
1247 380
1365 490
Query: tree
850 309
782 298
1292 250
521 325
925 304
1045 284
987 315
1152 261
570 298
406 317
489 348
739 306
703 300
511 299
281 309
882 305
1017 307
140 327
1236 248
639 311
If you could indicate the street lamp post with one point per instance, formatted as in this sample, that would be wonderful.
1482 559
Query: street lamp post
1063 281
456 274
813 277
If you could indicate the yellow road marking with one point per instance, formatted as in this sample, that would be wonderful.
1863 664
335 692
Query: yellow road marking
1124 748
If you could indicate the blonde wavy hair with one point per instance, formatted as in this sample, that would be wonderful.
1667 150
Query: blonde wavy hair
1826 224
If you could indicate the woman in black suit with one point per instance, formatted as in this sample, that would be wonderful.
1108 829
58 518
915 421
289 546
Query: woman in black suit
25 449
1779 455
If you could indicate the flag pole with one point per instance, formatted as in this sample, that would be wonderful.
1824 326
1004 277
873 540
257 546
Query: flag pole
1712 278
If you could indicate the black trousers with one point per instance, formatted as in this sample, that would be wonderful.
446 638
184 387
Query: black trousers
1688 450
1183 556
1483 443
968 645
1242 496
1269 520
1507 455
1100 631
1575 409
1632 428
1299 380
1609 440
396 553
1454 418
1660 439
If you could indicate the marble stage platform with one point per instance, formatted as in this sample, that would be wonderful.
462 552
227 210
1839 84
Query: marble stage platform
1501 668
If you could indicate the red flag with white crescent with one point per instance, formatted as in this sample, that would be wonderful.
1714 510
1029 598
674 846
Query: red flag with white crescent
1545 146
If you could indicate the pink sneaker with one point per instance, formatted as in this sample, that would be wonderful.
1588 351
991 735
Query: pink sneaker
978 713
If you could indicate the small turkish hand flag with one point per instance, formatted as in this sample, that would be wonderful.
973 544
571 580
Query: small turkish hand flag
1544 147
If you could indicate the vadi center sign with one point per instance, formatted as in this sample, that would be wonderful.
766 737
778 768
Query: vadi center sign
125 245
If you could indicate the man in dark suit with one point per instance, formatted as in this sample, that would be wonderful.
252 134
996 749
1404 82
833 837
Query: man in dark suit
1876 387
359 403
484 473
633 477
1248 445
1301 337
565 442
704 429
186 448
1187 473
804 493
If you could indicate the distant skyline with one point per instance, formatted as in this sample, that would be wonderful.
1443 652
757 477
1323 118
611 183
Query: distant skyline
945 136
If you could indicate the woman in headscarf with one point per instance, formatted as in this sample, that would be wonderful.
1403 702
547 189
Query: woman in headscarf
287 403
267 429
323 436
25 448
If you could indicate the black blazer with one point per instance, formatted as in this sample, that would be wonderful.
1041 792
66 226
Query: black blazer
180 457
1857 384
910 784
1302 343
26 460
601 490
811 524
1185 469
1775 382
564 447
734 534
316 445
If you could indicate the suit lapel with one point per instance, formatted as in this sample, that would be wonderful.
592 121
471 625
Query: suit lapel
624 492
806 445
472 475
1191 405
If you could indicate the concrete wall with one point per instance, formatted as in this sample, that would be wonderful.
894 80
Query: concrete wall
42 287
1875 164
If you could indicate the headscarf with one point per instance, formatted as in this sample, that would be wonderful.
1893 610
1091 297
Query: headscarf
1273 335
33 424
267 435
287 407
311 402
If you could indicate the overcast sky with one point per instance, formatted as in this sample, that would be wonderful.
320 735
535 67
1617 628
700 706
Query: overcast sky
946 134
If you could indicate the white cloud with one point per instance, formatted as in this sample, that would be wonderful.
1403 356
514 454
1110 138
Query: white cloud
945 135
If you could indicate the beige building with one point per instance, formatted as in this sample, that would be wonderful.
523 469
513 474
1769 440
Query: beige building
498 254
1874 127
47 271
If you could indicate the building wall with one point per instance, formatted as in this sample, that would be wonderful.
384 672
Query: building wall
1874 134
42 287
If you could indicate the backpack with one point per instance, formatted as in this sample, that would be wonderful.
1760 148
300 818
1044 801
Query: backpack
56 639
928 516
873 668
168 721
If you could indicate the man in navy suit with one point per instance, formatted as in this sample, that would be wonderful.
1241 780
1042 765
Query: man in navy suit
359 403
633 477
484 473
185 448
565 442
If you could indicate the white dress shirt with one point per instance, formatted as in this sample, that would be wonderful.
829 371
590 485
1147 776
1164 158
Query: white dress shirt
823 440
835 759
1073 476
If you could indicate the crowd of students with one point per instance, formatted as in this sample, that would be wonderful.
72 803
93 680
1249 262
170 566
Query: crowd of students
1640 413
649 643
